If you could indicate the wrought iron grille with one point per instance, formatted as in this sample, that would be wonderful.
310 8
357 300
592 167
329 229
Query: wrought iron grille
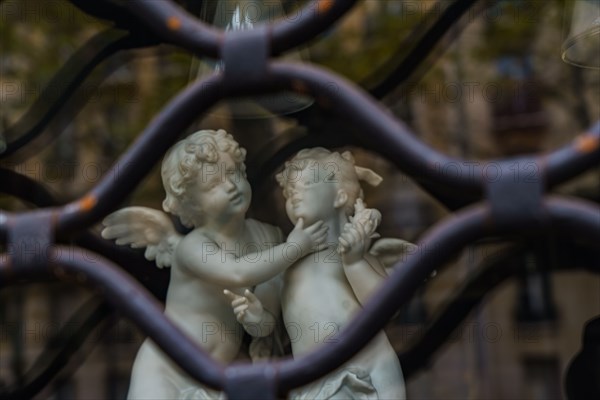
498 206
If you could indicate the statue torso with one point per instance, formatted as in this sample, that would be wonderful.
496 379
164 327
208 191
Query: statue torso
317 300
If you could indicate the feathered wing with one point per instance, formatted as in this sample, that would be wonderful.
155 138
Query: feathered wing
391 250
144 227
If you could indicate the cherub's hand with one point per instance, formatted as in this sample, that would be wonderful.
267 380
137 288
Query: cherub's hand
308 239
369 218
354 243
247 308
356 236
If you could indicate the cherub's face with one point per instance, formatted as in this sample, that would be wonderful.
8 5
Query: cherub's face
311 194
221 190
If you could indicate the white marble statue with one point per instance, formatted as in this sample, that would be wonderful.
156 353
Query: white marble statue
206 187
322 292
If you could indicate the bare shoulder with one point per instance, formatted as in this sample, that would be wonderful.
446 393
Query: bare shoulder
190 244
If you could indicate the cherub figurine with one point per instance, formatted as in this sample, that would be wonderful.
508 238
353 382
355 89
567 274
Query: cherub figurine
320 293
206 187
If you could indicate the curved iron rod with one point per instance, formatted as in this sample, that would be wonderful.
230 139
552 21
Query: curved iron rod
392 136
146 151
571 160
130 298
110 11
316 17
69 78
456 309
174 24
411 155
576 218
60 349
398 72
438 245
490 275
284 148
26 189
154 279
502 266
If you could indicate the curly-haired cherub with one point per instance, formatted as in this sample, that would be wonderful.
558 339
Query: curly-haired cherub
321 293
206 187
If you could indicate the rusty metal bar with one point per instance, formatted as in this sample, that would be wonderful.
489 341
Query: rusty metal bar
491 274
123 292
417 355
469 178
574 158
26 189
394 138
437 246
257 382
60 349
307 23
147 150
60 90
174 24
388 77
577 218
446 238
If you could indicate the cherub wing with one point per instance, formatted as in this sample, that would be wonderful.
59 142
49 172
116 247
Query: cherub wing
391 250
144 227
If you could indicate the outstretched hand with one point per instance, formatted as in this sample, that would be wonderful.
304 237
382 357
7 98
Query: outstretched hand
308 239
247 308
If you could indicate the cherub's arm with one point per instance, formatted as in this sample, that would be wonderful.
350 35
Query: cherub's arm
207 261
364 277
363 271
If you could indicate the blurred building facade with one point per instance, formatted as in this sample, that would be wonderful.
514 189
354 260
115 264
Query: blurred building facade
499 89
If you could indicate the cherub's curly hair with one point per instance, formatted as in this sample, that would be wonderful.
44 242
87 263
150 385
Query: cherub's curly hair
340 168
185 160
